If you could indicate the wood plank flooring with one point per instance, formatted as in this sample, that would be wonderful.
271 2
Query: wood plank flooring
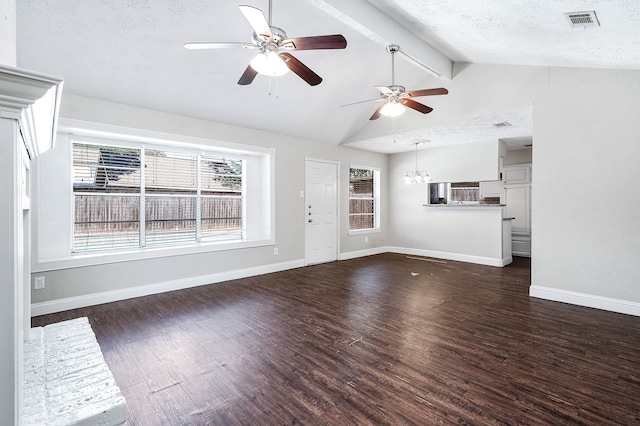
380 340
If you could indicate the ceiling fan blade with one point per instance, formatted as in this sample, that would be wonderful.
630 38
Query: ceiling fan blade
362 102
248 76
416 105
376 114
218 45
335 41
301 69
428 92
257 21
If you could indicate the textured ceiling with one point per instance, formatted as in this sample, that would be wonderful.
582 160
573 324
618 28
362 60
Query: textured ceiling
524 32
131 52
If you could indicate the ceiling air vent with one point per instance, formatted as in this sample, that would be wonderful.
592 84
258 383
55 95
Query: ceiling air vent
583 19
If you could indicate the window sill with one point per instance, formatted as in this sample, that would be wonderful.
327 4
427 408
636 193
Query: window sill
101 258
364 231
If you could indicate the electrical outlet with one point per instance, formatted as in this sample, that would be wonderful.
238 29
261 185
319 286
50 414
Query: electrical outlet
40 283
275 251
366 239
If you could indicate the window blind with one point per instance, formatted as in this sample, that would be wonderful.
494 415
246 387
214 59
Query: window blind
132 198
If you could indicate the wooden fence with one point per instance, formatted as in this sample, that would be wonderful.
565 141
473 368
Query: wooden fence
119 213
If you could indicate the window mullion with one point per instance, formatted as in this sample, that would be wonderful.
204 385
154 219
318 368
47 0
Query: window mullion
143 204
198 197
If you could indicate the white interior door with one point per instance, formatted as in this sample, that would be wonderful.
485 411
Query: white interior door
321 212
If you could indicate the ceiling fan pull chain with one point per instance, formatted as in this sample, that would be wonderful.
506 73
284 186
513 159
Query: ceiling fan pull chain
393 128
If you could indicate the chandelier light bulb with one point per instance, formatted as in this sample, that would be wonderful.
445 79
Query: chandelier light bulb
417 176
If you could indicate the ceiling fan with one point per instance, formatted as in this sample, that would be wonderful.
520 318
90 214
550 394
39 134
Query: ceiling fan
396 98
274 58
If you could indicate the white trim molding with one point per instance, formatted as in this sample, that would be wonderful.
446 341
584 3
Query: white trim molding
34 100
65 304
427 253
583 299
480 260
363 253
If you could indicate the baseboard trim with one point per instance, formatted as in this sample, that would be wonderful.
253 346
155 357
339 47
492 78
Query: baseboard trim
449 256
66 304
583 299
363 253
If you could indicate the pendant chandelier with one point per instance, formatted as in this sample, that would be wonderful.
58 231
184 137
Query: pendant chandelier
417 175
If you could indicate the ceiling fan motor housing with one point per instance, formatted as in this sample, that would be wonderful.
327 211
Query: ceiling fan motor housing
278 36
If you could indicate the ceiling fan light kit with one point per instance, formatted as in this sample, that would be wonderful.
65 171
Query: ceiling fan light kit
269 64
392 109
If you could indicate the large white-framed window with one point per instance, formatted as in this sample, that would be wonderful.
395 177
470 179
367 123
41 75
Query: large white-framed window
128 197
364 199
54 198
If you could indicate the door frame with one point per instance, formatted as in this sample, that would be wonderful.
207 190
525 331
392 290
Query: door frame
306 203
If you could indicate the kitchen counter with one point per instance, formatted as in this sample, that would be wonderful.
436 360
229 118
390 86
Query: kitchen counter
464 205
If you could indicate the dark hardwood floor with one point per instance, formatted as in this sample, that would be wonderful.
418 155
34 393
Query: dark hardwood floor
367 341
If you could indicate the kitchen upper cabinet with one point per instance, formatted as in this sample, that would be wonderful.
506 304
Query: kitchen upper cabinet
517 174
491 189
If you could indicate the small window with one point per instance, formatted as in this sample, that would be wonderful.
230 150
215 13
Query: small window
464 192
364 198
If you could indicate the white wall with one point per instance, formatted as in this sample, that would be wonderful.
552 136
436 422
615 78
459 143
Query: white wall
124 277
467 162
8 33
472 234
585 192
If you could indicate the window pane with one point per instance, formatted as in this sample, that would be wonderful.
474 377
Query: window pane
360 183
360 206
105 169
361 222
221 218
104 221
220 175
170 220
170 172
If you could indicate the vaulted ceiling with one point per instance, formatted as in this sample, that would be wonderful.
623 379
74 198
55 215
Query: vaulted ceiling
132 52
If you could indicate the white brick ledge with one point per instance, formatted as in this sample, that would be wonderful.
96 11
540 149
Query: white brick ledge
66 379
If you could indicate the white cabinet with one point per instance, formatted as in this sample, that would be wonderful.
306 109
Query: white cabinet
516 174
518 205
491 188
521 245
517 198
